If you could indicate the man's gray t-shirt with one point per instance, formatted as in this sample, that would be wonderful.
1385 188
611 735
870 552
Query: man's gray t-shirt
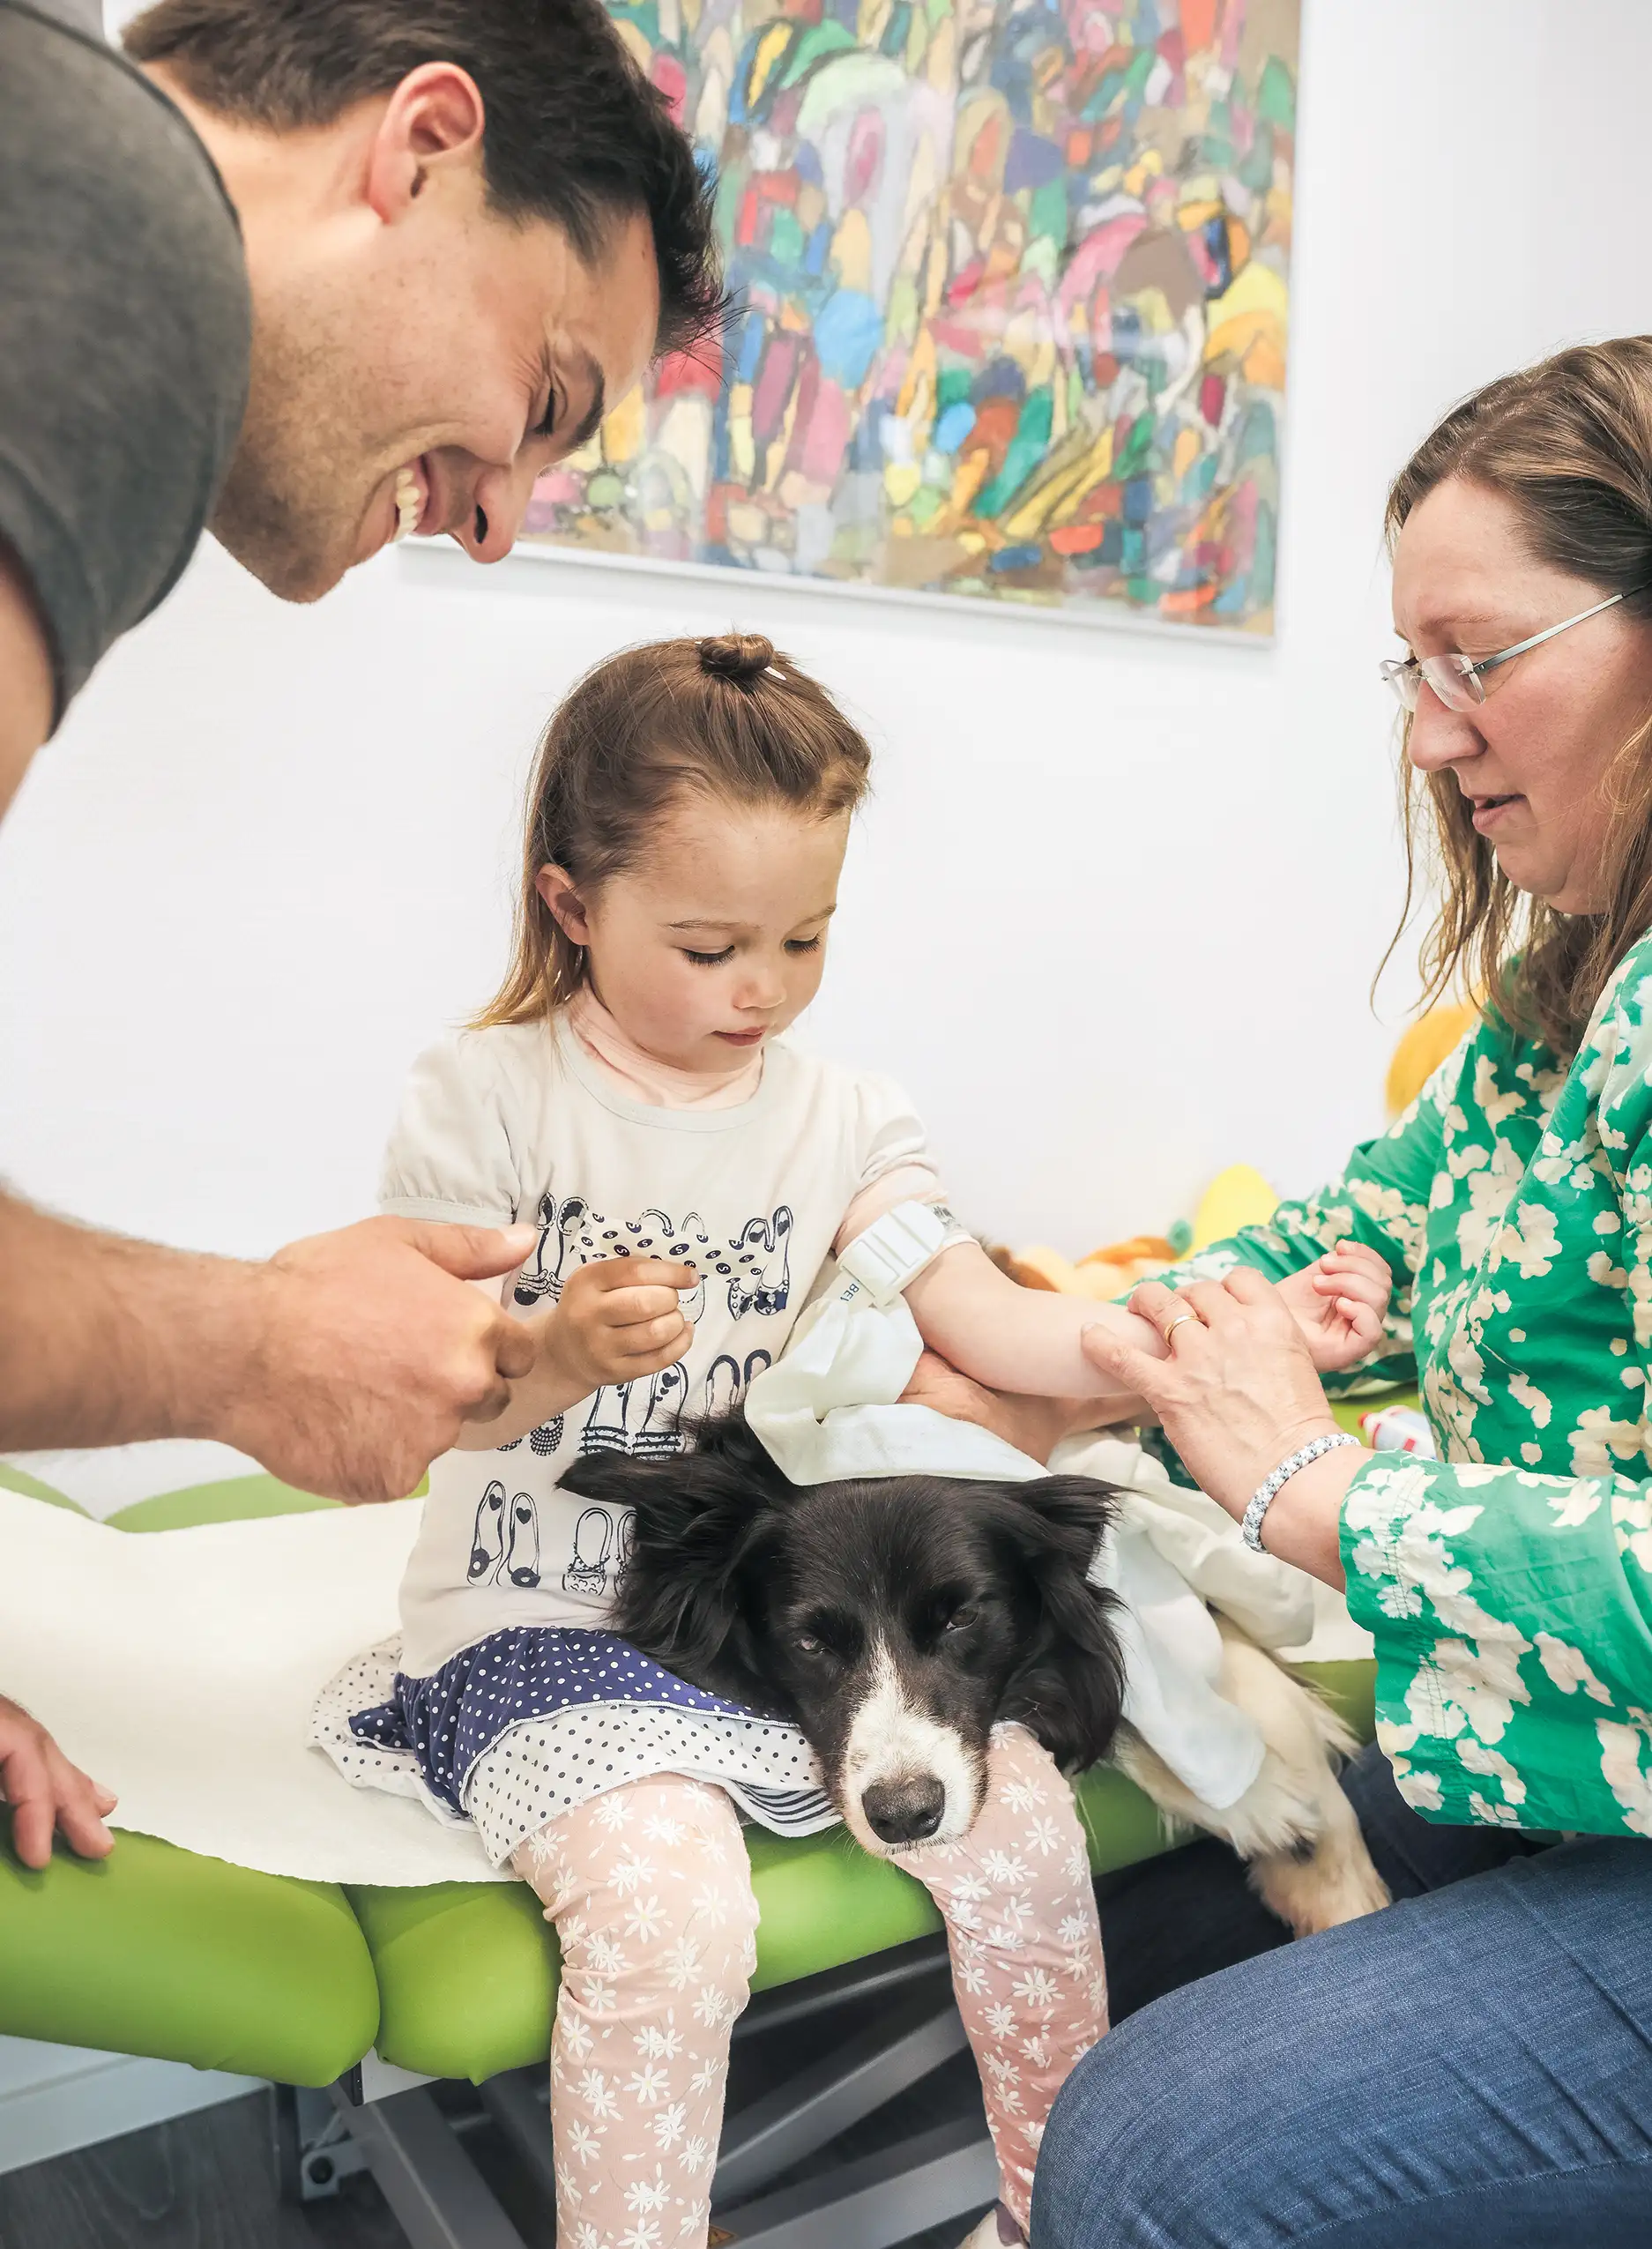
125 330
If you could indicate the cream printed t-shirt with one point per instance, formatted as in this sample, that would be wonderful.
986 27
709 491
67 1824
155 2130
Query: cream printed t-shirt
517 1122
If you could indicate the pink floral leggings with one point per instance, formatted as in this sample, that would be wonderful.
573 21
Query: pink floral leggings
649 1891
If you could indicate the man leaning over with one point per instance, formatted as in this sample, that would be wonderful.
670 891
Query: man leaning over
314 272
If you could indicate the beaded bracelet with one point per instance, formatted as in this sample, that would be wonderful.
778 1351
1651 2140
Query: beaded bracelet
1263 1497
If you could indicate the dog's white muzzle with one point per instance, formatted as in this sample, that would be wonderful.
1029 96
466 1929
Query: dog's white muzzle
907 1778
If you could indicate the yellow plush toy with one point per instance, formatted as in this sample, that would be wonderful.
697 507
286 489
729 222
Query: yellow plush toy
1423 1048
1236 1197
1103 1275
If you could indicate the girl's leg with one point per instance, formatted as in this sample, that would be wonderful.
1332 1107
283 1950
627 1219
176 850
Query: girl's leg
651 1895
1026 1947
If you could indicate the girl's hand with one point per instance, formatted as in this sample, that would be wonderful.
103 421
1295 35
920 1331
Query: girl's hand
1339 1302
618 1319
45 1791
1237 1392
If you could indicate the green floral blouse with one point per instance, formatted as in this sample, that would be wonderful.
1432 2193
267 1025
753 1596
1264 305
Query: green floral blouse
1508 1585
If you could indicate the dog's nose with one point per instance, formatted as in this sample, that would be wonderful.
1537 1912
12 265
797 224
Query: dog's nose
904 1810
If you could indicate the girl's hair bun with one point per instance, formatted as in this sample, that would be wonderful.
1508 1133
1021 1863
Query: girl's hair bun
739 657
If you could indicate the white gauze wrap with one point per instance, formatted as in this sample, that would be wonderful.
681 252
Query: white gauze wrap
830 1410
180 1667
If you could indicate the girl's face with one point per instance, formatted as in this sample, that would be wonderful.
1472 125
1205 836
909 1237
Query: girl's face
716 942
1532 759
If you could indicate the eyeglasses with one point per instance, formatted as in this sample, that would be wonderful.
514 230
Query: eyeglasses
1458 682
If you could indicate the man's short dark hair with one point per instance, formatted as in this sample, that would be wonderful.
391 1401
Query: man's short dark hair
574 131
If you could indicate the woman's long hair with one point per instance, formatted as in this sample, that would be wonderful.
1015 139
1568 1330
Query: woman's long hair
1568 444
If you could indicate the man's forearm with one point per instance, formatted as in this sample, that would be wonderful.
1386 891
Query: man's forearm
105 1341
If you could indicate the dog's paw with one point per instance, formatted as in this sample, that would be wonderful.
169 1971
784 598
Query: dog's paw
1320 1888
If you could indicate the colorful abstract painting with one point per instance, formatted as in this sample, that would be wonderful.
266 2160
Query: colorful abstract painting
1012 288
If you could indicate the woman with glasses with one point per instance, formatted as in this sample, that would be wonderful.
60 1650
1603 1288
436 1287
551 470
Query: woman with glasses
1473 2064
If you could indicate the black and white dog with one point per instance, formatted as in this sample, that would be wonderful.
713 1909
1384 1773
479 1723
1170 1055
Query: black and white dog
897 1620
894 1620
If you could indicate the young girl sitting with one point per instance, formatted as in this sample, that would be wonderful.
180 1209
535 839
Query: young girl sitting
692 1174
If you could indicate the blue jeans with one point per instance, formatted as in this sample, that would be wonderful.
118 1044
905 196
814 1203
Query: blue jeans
1473 2066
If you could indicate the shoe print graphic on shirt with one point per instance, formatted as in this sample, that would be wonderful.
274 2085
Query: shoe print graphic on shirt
765 1246
542 1441
593 1542
487 1539
755 1264
726 1382
637 1417
505 1541
543 1274
521 1566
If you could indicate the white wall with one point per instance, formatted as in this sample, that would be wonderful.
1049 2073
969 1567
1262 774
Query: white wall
1113 911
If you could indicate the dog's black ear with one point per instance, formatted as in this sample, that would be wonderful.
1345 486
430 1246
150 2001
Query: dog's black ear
727 1438
724 1456
1069 1686
1076 1511
702 1519
620 1480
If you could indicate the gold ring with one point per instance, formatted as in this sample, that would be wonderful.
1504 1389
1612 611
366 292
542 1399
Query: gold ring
1181 1320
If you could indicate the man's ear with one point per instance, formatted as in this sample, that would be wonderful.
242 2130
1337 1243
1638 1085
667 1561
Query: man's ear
563 903
432 122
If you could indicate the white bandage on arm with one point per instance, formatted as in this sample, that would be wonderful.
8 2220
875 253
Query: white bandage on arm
890 1253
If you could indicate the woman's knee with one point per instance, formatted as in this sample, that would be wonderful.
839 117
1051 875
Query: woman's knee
1453 2043
1136 2112
1219 2109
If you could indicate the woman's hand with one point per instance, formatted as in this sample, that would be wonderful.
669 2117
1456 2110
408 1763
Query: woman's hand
45 1791
1339 1302
1237 1395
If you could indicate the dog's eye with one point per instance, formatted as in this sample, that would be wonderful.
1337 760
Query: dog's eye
806 1644
962 1617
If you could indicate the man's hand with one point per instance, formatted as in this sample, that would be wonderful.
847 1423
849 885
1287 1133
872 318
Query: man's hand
617 1319
1339 1302
345 1364
370 1351
45 1791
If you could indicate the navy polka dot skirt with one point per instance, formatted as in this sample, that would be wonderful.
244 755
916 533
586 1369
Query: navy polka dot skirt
531 1722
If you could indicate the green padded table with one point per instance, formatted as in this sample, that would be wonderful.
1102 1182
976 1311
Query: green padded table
157 1951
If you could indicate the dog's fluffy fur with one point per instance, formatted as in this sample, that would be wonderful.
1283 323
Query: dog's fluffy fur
897 1620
